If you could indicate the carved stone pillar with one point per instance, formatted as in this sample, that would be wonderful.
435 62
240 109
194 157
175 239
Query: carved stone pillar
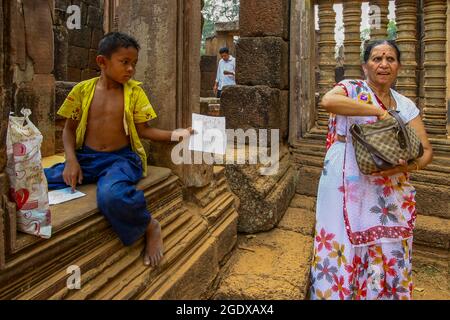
352 42
379 19
327 62
407 41
435 109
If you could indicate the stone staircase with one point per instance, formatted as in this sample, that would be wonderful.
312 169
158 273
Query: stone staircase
432 233
199 233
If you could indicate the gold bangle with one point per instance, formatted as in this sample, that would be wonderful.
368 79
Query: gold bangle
417 165
384 115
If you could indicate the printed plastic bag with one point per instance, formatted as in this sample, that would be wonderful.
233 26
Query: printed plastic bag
26 175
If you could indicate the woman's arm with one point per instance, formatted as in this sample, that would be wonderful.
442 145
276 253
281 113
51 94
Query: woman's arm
337 102
427 156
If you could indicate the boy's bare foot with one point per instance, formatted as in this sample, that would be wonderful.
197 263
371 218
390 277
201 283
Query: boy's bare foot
153 252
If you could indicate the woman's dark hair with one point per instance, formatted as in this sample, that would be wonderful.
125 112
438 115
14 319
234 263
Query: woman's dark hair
224 50
113 41
376 43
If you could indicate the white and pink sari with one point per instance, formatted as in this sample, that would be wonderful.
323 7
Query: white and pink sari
364 224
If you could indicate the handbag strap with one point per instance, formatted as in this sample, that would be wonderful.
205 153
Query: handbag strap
403 130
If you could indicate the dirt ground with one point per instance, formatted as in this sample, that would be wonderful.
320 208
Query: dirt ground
431 282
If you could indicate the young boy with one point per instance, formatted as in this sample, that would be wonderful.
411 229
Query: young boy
106 117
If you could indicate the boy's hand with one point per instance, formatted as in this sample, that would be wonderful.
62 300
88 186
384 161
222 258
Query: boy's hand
182 133
188 132
72 174
191 131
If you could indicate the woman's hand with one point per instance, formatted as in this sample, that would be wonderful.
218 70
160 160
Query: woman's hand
384 114
402 167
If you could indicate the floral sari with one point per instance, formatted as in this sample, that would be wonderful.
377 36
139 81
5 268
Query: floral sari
364 227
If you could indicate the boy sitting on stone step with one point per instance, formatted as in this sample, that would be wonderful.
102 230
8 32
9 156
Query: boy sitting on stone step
106 117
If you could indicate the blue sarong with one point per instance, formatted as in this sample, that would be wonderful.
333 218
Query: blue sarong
116 174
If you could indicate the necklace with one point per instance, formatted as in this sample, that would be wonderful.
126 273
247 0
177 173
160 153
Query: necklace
389 107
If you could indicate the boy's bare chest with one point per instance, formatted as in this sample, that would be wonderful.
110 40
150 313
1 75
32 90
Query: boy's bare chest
107 107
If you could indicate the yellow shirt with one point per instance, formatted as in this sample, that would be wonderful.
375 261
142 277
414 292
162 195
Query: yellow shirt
137 110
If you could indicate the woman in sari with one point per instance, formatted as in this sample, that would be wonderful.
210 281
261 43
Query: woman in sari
364 223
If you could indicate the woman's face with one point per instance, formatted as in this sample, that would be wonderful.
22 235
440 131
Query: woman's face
383 65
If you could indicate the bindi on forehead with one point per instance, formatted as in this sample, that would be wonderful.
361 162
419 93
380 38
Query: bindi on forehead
387 53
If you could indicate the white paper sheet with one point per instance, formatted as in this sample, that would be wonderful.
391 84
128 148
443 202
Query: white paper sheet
210 134
63 195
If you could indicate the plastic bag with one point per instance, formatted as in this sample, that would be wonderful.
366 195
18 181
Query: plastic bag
26 174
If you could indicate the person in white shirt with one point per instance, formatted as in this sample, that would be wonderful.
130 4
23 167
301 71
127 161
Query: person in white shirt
225 72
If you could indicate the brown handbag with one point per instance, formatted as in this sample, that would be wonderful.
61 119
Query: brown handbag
378 146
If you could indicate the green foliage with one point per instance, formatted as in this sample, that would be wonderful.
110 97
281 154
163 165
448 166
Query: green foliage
214 11
392 30
221 10
208 29
365 34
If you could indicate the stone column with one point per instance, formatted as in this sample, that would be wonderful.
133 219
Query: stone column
352 41
327 61
208 69
407 82
448 68
303 62
261 101
379 19
3 95
435 110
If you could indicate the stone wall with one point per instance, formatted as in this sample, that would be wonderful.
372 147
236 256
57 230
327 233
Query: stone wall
40 49
31 64
260 100
208 69
155 27
76 50
4 92
169 33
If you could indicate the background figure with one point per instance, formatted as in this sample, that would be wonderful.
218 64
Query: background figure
225 72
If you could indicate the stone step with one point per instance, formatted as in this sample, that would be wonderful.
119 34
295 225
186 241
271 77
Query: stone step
78 228
432 187
263 198
432 232
299 220
431 253
307 150
131 272
268 266
431 271
304 202
273 265
193 235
